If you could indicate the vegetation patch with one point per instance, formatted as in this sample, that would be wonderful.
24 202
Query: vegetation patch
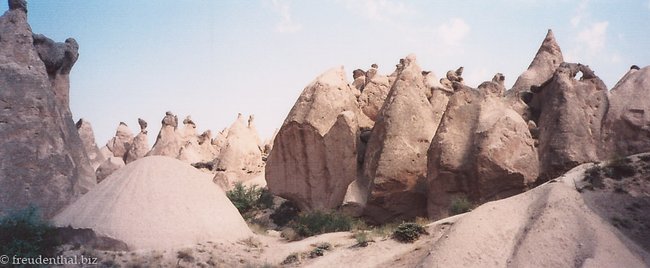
25 233
460 205
247 199
408 232
285 213
314 223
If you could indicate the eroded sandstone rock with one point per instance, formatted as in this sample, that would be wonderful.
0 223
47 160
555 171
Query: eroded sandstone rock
85 130
627 124
168 142
42 158
314 156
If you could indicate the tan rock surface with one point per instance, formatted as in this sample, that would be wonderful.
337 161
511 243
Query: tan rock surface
240 158
168 142
140 144
569 113
627 123
157 202
42 158
85 130
107 167
482 151
120 144
314 154
395 162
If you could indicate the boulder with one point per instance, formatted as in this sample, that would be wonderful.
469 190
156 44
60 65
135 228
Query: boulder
395 162
168 142
108 167
314 156
157 203
42 157
140 144
482 151
120 144
568 114
627 124
85 130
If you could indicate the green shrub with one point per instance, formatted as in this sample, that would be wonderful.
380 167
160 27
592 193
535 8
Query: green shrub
460 205
25 233
246 199
284 214
317 222
408 232
362 238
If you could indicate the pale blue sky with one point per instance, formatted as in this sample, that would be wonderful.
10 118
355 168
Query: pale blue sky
214 59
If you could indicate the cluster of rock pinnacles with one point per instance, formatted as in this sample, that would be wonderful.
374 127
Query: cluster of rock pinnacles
383 147
408 144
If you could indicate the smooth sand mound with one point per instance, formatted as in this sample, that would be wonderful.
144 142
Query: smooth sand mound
157 202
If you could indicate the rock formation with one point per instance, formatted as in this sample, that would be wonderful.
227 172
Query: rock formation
107 167
168 142
140 144
541 69
240 158
87 136
374 93
42 158
482 150
627 124
568 113
395 162
157 203
314 156
121 143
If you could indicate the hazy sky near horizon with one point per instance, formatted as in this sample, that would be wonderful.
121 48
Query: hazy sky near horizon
214 59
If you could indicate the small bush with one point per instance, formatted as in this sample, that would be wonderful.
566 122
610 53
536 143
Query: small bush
317 222
408 232
320 250
246 199
460 205
362 238
620 169
284 214
292 258
25 233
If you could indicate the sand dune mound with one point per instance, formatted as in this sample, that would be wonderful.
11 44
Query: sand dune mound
157 202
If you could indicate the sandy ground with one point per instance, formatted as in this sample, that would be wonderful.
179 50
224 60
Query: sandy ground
589 217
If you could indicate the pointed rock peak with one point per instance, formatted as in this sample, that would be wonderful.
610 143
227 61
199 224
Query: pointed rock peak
18 4
122 124
548 51
143 124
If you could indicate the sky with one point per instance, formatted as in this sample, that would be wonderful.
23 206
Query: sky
215 59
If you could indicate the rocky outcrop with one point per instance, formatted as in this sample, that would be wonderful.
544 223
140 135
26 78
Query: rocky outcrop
107 167
168 143
121 143
140 145
627 124
568 113
541 69
241 157
42 158
314 156
395 162
375 91
482 150
87 136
